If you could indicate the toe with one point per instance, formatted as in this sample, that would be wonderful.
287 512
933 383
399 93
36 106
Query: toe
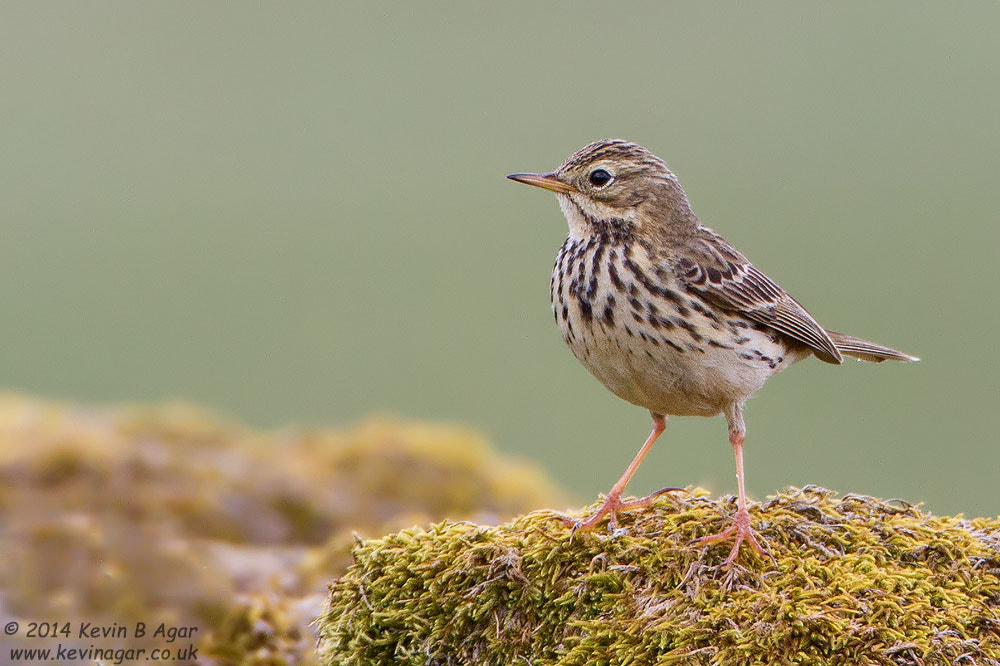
714 538
734 553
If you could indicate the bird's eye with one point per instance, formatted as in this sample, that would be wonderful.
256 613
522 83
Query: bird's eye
599 177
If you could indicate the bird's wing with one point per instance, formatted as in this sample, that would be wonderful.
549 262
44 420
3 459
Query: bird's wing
720 274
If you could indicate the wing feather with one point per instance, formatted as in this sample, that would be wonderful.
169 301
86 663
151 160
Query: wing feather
720 274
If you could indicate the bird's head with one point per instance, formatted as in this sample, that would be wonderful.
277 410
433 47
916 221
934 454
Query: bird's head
617 183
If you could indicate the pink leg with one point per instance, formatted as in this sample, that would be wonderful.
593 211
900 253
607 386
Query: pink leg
740 529
612 501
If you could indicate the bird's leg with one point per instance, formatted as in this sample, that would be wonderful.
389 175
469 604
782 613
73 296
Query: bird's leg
740 529
612 501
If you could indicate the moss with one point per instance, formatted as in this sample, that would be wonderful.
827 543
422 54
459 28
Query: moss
170 513
856 580
263 630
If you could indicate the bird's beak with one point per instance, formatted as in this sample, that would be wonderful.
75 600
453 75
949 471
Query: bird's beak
546 181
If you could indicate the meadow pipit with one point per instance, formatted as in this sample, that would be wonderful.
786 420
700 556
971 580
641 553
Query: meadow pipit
665 313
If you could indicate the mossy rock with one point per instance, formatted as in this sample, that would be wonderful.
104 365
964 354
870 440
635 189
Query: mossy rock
170 513
855 580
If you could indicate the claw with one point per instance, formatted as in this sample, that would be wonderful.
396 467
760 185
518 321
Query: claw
741 530
611 507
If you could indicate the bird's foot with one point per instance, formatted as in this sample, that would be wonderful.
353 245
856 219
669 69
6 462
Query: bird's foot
612 505
740 529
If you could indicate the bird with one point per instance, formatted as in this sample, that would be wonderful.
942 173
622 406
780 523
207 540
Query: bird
668 315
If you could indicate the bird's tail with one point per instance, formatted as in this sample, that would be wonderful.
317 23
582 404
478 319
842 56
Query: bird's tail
866 350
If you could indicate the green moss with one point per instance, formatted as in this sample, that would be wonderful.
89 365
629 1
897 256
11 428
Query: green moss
169 513
856 580
260 631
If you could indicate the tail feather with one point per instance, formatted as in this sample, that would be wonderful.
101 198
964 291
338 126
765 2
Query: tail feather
866 350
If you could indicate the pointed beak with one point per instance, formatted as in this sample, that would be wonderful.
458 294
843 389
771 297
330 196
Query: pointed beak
546 181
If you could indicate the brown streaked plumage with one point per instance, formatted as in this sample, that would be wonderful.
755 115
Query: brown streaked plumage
665 313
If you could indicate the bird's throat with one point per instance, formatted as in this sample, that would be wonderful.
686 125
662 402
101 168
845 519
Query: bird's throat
583 224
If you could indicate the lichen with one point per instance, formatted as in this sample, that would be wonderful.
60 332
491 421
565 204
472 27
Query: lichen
854 580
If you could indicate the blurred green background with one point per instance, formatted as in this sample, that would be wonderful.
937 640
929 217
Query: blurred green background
297 212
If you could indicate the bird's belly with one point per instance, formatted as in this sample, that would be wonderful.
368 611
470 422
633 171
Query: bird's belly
657 379
665 351
699 379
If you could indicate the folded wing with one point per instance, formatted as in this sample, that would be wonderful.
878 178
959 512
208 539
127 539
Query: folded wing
721 275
